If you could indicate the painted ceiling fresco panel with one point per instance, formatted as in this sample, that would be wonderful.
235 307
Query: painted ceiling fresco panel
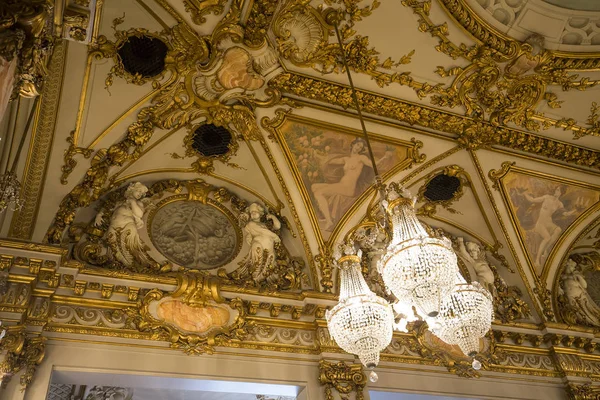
543 210
333 166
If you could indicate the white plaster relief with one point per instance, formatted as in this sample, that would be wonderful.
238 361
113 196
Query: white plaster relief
563 29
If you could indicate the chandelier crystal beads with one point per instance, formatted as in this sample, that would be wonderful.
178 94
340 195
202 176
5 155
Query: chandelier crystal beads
10 192
465 317
416 267
361 323
419 270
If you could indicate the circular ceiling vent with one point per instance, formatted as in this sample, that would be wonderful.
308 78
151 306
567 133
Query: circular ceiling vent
143 55
211 140
442 188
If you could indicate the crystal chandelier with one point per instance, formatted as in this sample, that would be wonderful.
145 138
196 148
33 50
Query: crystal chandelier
361 323
465 316
10 188
420 271
416 267
10 192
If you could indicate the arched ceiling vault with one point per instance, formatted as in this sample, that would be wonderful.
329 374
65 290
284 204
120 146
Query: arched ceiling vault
511 116
493 125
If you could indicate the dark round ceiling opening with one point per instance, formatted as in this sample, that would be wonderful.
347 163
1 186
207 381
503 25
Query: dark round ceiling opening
442 188
211 140
143 55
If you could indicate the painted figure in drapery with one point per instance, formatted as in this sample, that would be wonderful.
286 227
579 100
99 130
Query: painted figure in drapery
355 172
544 210
335 167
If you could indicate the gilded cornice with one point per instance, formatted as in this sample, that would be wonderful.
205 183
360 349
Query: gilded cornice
468 132
282 326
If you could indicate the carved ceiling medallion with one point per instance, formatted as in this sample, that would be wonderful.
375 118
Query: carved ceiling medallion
194 234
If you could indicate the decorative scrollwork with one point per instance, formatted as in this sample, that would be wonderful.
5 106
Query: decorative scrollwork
194 318
505 81
186 96
343 378
200 8
22 353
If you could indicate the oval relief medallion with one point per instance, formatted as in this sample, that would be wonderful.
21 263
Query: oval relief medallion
193 234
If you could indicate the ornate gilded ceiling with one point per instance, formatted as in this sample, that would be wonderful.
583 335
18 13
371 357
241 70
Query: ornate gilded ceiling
233 171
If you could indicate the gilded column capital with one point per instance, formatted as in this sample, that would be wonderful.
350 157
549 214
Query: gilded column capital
582 391
342 378
21 353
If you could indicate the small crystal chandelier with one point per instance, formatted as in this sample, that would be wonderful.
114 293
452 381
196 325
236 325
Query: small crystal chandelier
420 270
416 267
361 323
10 188
10 192
465 317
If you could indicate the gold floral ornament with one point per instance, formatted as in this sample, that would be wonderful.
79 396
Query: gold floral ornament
194 318
302 34
505 81
22 353
26 38
200 8
188 95
433 348
470 133
343 378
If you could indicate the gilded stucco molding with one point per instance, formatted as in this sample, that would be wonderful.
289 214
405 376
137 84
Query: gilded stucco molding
226 321
21 353
429 207
303 37
26 34
467 132
582 391
342 379
199 9
23 221
503 85
192 67
284 325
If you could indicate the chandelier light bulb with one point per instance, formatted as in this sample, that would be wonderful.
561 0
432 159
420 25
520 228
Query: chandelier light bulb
416 266
373 377
476 364
361 323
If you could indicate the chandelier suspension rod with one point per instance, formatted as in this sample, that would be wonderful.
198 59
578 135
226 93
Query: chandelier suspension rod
357 103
